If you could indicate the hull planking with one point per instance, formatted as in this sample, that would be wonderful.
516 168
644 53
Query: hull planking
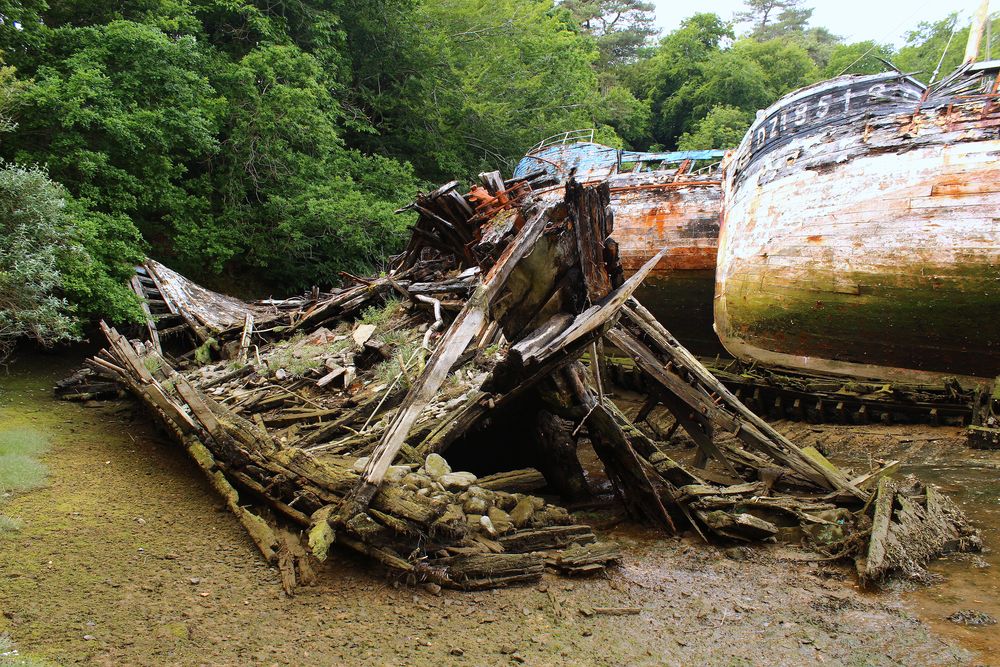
860 233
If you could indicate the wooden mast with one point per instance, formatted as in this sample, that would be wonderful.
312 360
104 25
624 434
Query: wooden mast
976 32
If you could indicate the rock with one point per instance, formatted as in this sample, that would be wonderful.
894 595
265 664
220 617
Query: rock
416 481
972 617
361 464
475 506
473 520
736 553
504 500
89 637
479 492
501 520
436 467
281 374
432 588
522 512
487 526
194 581
451 522
363 333
457 652
396 473
456 481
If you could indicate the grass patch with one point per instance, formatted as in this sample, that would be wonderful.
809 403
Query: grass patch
10 657
296 360
379 315
22 441
20 473
386 372
19 470
9 524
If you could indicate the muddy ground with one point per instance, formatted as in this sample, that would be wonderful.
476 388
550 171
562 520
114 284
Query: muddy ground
127 557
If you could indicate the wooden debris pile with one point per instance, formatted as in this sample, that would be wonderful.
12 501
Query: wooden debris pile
817 398
334 415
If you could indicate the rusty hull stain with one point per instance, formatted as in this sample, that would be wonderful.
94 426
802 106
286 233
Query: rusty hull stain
657 201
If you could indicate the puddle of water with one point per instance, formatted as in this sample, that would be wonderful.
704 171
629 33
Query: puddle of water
968 583
682 301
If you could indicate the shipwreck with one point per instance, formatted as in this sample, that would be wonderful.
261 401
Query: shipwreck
859 232
668 200
332 420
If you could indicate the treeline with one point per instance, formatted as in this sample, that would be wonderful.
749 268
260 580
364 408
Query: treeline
266 145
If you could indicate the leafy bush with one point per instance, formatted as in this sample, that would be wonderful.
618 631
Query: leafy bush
47 274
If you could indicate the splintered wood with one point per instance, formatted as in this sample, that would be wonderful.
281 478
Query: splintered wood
330 413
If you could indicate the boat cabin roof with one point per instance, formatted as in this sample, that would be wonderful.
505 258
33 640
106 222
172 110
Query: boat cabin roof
589 161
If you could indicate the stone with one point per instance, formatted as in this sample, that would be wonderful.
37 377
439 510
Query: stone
436 467
396 473
475 506
487 526
363 333
457 481
501 520
479 492
522 512
361 464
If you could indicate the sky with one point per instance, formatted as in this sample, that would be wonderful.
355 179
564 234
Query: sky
856 20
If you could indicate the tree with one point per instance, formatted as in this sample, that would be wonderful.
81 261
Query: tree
628 116
676 66
120 119
785 65
289 196
30 223
940 46
723 127
620 27
60 261
772 18
48 275
491 78
858 58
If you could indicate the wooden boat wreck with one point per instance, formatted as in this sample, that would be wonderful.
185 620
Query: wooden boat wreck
661 200
325 427
860 232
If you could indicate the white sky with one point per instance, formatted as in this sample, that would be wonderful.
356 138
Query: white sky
856 20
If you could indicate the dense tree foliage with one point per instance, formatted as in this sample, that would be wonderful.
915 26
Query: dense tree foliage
268 144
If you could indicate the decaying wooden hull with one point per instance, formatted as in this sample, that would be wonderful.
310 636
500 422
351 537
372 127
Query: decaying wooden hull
657 203
653 211
860 232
